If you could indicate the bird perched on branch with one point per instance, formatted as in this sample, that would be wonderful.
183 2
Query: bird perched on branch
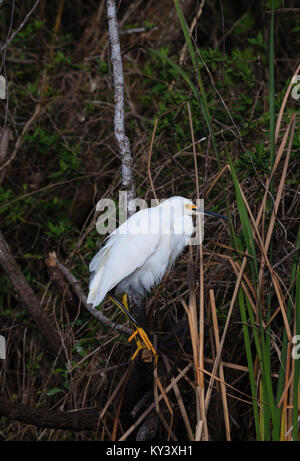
137 254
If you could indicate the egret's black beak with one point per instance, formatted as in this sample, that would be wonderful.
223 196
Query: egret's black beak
211 213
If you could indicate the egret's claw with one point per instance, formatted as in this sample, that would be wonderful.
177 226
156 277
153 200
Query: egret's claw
144 344
141 338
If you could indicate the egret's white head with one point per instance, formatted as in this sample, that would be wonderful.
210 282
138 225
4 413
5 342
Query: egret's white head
179 205
182 206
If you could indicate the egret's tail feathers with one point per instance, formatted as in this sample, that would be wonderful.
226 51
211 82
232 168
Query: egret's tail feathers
97 293
99 257
95 296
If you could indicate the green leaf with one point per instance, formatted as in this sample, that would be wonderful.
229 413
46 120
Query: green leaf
186 33
159 54
54 391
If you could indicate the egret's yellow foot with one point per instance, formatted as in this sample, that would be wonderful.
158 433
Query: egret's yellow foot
144 344
140 336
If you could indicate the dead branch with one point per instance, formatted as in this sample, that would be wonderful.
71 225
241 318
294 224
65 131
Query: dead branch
74 420
5 137
21 25
122 140
19 141
79 292
28 297
62 286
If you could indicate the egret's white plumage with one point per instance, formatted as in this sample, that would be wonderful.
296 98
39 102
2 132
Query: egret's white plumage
136 256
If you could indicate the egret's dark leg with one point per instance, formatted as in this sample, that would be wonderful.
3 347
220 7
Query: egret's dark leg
138 309
135 328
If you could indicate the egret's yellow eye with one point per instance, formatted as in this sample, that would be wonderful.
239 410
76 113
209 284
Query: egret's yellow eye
190 207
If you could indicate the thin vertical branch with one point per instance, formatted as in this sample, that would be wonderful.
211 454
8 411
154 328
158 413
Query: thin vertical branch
119 125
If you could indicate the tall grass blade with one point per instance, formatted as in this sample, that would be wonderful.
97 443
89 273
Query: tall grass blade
251 373
245 221
203 99
164 58
186 33
296 389
272 88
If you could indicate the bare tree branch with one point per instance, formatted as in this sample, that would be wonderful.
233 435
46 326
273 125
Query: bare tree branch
122 140
21 25
28 297
74 420
137 305
78 290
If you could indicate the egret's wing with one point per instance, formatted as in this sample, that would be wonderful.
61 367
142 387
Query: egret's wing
128 248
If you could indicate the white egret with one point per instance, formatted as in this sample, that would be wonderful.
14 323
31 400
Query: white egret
137 254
